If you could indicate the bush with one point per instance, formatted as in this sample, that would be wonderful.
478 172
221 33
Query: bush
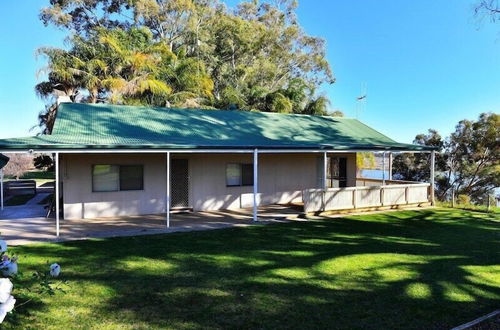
44 162
463 199
9 274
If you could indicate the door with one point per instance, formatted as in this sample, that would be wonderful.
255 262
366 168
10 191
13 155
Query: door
179 176
342 172
337 172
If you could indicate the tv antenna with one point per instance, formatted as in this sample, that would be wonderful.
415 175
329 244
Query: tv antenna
361 100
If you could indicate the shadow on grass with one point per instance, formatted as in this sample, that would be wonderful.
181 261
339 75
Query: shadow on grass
408 269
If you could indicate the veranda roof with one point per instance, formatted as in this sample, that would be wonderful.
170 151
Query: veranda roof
105 126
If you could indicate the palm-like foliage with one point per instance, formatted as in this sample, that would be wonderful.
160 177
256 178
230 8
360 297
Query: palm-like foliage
60 77
125 67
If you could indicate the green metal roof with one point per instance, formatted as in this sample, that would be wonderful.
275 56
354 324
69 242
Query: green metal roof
105 126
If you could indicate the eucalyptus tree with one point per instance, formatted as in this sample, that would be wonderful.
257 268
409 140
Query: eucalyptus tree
487 9
261 54
82 16
474 149
468 161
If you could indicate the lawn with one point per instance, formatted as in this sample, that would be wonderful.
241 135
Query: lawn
472 207
410 269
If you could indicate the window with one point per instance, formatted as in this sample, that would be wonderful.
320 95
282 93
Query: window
239 175
233 175
105 178
117 177
131 177
247 174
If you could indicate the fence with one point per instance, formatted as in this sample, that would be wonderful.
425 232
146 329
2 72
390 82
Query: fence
20 187
365 197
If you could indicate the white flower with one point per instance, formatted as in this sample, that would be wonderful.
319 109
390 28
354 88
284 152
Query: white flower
3 246
55 269
5 289
9 268
6 307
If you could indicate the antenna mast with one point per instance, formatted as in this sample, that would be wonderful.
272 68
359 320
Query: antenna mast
361 100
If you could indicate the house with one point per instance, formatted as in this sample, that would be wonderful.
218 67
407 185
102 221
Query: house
114 160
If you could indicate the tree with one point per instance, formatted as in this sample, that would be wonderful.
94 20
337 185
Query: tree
416 166
18 165
197 53
487 9
44 162
468 161
82 16
337 113
118 66
262 47
365 160
474 156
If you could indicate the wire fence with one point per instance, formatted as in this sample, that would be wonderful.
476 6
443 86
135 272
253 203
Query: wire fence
490 203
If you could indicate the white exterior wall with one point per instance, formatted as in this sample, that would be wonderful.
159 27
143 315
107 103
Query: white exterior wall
80 202
282 177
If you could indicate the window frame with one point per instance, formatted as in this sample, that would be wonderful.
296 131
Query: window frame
119 166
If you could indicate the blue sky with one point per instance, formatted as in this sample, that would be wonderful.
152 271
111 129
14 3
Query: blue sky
427 63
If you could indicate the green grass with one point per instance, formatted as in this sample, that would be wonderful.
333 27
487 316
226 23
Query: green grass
428 269
19 200
41 175
472 207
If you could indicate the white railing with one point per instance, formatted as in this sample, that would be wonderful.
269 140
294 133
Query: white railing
331 199
378 182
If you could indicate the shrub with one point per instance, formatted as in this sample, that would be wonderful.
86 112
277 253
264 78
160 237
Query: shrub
463 199
8 273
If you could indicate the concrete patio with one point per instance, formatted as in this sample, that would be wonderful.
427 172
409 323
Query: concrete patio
37 229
